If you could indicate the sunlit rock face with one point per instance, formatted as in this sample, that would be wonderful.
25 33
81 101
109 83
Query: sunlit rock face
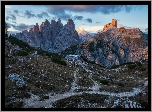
52 36
113 24
115 46
83 35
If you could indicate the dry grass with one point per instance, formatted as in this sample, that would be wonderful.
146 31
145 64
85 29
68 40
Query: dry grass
58 79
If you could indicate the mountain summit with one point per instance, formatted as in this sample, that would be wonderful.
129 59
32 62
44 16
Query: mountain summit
115 46
113 24
52 36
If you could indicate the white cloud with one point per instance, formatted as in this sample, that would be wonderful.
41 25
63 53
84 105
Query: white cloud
8 6
92 29
120 25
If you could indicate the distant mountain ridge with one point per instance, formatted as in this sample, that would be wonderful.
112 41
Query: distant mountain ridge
83 35
53 37
114 46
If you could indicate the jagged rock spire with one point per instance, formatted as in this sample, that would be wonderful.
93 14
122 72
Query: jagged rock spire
113 24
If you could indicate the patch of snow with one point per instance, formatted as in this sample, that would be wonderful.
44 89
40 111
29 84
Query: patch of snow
9 66
17 78
126 105
146 83
34 53
20 59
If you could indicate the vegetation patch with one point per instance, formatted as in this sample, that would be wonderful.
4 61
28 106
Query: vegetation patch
131 66
121 84
105 82
142 69
18 104
22 53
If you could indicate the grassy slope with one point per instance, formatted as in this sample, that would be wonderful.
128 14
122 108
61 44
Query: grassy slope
58 78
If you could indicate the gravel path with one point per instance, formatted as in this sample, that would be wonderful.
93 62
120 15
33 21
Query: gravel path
34 102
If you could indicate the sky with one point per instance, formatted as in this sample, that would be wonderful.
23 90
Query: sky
91 18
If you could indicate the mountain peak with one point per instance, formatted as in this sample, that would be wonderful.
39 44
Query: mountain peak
113 24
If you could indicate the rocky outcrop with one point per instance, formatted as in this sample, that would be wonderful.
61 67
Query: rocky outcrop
113 24
83 35
114 46
67 37
52 36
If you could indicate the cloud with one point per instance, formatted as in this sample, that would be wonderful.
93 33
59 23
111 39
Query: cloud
64 11
11 18
78 17
28 14
8 25
89 20
60 14
8 6
16 11
43 14
93 29
104 9
13 32
21 26
120 25
146 29
98 22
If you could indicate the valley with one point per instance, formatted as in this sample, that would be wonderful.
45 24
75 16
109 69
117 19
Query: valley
77 85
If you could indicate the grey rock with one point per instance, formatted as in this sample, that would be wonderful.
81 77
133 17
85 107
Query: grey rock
17 78
52 37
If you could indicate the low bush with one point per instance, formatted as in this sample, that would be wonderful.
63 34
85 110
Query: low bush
120 84
105 82
115 66
57 59
144 104
142 69
22 53
14 105
131 66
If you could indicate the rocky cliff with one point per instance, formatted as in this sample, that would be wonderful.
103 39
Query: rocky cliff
113 24
115 46
52 36
83 35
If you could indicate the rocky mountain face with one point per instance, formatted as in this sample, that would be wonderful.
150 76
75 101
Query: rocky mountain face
32 79
113 24
115 46
83 35
52 36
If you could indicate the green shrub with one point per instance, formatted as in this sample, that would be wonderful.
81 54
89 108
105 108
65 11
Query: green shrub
131 66
105 82
14 105
139 64
115 66
22 53
120 84
18 42
144 104
57 59
142 69
26 49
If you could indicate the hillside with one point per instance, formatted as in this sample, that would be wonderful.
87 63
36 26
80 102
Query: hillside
113 46
38 79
